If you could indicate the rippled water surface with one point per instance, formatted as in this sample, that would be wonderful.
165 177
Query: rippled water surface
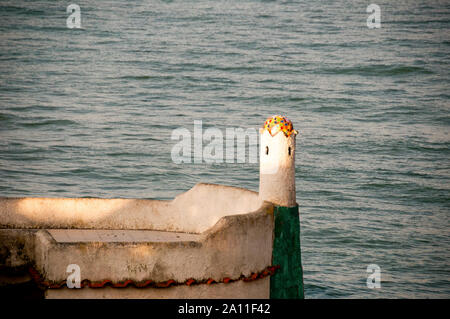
90 112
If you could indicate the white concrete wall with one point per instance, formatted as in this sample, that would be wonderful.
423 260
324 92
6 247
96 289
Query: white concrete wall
237 245
277 169
232 235
193 211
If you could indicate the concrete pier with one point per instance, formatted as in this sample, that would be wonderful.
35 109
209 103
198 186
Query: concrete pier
208 247
213 241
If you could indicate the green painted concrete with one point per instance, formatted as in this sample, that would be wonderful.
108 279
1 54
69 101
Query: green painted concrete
287 283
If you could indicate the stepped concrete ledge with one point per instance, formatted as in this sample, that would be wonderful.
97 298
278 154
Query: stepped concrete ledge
212 232
119 236
191 212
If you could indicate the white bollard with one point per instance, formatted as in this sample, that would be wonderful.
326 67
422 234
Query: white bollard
277 162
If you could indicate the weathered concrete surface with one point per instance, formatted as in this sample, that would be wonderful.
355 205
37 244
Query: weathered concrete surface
237 245
16 253
119 236
277 169
211 231
193 212
16 248
258 289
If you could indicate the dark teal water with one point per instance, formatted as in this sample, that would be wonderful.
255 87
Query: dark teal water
90 112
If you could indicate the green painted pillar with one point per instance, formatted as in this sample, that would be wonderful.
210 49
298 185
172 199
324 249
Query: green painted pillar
287 282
